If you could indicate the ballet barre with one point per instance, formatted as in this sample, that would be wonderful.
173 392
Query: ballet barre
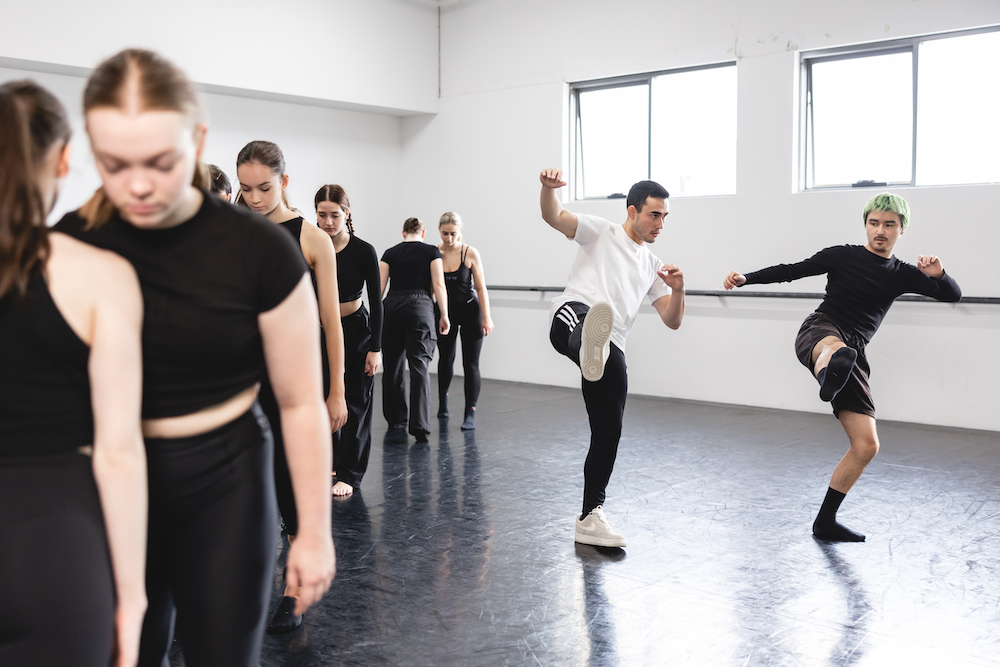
745 294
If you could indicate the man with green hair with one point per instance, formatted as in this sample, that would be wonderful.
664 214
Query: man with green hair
862 283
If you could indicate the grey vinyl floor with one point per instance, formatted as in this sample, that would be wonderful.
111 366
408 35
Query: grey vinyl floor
460 551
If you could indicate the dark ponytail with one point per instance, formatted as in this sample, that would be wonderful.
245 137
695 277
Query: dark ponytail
159 86
32 121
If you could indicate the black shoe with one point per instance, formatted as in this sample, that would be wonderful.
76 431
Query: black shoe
422 436
398 427
443 407
284 619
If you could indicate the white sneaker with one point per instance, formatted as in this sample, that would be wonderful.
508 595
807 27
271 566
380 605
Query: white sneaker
595 341
596 530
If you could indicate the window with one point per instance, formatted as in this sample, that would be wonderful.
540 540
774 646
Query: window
677 128
910 112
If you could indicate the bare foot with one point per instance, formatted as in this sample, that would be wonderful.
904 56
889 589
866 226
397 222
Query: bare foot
342 489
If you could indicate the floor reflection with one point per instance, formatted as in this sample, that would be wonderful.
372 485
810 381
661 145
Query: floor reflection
851 648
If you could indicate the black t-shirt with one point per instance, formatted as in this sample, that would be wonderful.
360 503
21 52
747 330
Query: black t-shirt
204 282
861 285
357 265
410 266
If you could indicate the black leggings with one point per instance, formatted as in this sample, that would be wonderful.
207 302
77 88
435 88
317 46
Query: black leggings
605 400
467 317
353 442
408 334
57 593
212 541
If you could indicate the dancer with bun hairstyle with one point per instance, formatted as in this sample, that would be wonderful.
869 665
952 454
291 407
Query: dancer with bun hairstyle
73 524
469 312
227 296
415 270
357 270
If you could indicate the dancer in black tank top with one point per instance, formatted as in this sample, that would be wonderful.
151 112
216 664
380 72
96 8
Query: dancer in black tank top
73 525
260 167
227 298
357 270
414 269
463 269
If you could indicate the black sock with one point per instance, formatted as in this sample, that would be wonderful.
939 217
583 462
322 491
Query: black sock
834 377
826 527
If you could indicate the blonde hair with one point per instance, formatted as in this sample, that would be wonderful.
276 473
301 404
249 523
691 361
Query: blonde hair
450 218
161 86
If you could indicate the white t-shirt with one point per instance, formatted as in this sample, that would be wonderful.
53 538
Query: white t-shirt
609 266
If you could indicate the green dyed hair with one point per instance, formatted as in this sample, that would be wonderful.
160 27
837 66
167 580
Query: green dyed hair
890 203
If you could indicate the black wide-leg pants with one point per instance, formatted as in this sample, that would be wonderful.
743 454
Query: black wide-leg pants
408 334
605 401
353 442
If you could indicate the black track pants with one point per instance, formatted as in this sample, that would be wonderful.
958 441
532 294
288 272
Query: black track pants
408 333
605 400
467 321
353 442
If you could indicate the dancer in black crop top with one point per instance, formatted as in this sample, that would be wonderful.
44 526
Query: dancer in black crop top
357 266
260 166
466 312
226 298
862 283
70 321
413 270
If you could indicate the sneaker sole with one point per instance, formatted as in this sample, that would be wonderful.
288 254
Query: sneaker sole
597 328
599 541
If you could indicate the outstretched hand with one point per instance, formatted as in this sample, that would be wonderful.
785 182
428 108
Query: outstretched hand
672 276
930 265
734 280
552 178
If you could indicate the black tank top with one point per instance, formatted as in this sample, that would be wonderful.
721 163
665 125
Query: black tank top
294 227
459 283
44 382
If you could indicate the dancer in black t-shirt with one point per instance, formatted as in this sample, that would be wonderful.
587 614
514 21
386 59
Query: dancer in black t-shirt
416 271
862 283
227 296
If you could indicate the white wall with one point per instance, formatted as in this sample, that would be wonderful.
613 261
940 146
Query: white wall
361 151
503 116
378 54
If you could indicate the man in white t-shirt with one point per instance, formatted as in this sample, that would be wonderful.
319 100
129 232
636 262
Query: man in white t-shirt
612 273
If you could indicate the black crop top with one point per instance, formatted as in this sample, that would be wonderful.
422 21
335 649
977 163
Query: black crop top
357 265
410 266
204 282
459 282
44 382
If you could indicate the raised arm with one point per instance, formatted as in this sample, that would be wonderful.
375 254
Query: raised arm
441 294
552 210
941 286
479 280
816 265
291 349
319 252
671 307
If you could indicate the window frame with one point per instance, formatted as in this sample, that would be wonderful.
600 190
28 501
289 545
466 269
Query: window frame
807 157
575 157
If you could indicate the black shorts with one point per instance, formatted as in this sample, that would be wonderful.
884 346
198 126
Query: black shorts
856 396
